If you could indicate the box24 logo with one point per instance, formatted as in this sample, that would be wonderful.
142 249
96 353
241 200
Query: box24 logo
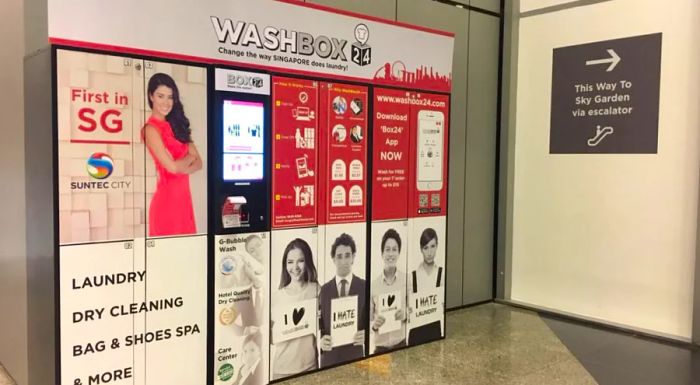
361 53
234 80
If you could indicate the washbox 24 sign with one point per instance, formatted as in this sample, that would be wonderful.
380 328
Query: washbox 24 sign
273 35
273 40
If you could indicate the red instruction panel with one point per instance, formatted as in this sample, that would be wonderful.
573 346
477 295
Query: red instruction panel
345 145
390 154
294 152
429 144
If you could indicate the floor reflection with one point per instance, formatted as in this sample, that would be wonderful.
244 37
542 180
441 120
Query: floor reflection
486 344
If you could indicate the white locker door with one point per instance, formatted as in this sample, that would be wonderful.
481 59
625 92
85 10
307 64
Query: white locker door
426 279
295 283
241 272
388 297
176 311
97 288
96 105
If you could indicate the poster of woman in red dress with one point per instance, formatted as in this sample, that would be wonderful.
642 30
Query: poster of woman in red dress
169 138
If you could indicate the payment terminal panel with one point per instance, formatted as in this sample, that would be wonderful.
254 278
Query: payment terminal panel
241 151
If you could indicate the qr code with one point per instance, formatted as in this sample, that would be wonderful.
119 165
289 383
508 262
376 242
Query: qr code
423 200
435 200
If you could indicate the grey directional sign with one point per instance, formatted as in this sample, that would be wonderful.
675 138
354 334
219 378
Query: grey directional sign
605 97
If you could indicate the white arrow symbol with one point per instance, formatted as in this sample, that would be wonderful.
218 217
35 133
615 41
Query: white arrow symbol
613 60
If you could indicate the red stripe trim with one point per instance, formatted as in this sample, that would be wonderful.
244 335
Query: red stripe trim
206 60
100 141
367 17
196 59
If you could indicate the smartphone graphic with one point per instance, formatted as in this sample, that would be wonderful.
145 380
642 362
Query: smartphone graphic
431 126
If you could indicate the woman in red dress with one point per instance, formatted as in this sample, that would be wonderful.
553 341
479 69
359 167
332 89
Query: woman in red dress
168 138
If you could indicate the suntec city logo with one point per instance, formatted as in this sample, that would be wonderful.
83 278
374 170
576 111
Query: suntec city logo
100 165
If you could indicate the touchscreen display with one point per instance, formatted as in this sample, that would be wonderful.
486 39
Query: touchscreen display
243 140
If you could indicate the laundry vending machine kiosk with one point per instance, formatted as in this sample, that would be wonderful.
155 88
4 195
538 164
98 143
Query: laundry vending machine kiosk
242 192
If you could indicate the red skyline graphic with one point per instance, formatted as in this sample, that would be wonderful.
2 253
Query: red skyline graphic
423 77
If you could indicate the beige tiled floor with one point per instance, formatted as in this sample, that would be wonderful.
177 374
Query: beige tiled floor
487 344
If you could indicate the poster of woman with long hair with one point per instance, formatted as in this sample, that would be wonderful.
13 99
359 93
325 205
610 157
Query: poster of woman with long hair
172 136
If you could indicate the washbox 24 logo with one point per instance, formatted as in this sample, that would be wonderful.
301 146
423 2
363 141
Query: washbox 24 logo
100 165
245 81
301 44
361 52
